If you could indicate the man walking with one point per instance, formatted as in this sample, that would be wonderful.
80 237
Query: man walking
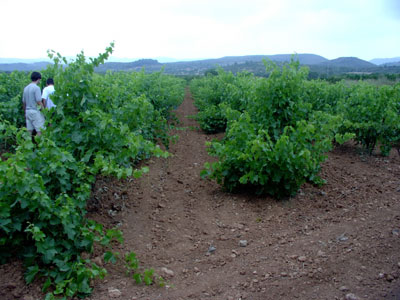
31 99
47 92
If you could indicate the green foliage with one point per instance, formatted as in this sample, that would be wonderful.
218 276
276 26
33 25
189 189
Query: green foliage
102 125
278 142
373 115
224 89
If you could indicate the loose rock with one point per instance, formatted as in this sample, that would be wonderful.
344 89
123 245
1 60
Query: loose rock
243 243
167 271
302 258
211 249
351 297
114 293
344 288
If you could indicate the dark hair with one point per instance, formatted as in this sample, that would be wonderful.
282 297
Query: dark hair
35 76
49 81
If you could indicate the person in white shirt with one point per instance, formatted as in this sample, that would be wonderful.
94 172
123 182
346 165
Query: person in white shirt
47 92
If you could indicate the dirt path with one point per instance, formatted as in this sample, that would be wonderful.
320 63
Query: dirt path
325 243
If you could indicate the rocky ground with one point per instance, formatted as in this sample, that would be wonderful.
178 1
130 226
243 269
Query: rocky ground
339 241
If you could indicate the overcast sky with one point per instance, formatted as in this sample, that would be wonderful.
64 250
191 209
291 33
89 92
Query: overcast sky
200 28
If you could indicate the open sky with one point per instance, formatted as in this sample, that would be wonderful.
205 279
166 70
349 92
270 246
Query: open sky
195 29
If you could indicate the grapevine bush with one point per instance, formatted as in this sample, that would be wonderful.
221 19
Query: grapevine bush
45 186
278 142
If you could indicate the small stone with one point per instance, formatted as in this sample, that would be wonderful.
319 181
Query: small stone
211 249
344 288
167 271
28 297
114 293
243 243
342 238
284 274
351 297
302 258
396 232
242 272
321 253
381 275
98 261
389 278
398 264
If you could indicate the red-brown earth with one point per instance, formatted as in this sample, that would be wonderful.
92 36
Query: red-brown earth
338 241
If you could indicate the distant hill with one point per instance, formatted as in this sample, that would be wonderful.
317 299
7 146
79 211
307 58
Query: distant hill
128 66
227 60
24 66
252 63
23 60
349 62
392 64
381 61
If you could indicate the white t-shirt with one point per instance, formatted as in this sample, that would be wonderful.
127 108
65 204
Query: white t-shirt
47 91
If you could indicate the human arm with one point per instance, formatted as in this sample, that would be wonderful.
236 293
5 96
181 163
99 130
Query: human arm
45 95
38 97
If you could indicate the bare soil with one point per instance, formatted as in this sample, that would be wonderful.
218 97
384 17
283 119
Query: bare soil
339 241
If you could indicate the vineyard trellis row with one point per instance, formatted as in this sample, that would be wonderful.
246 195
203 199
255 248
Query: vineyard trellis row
103 124
279 129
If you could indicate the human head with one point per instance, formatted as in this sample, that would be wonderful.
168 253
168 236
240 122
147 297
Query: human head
49 81
35 76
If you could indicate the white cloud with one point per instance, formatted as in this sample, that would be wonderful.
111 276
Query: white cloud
200 28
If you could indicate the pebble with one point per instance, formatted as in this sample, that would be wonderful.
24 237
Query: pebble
243 243
396 232
344 288
167 271
302 258
114 293
211 249
389 278
98 261
351 297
